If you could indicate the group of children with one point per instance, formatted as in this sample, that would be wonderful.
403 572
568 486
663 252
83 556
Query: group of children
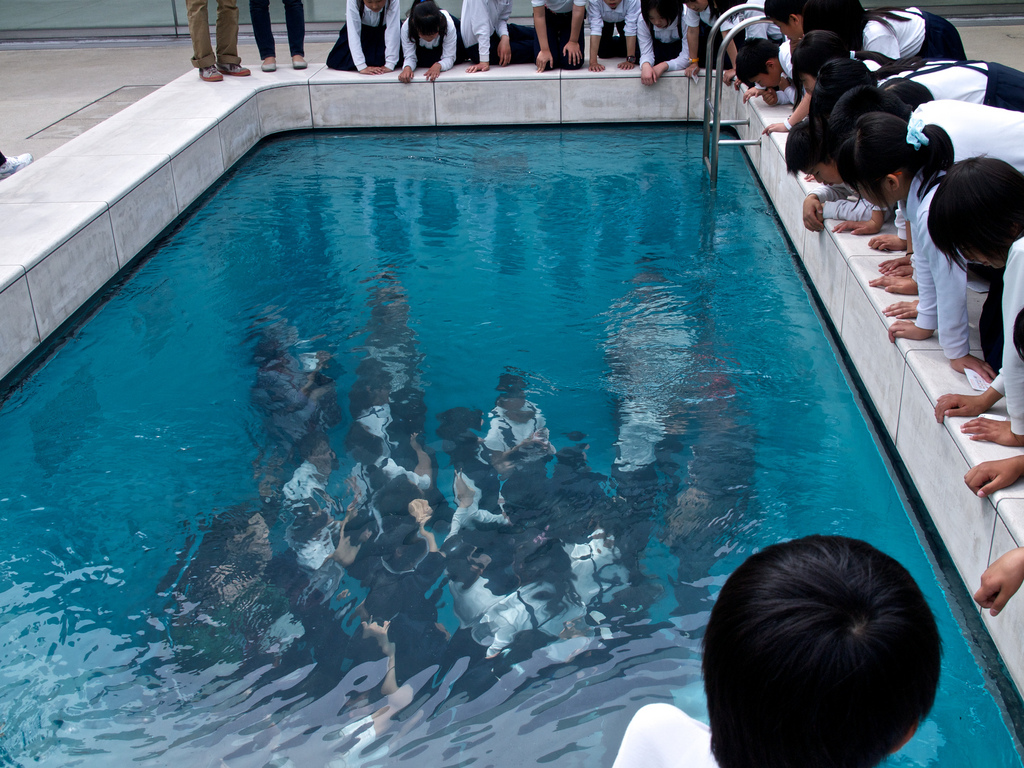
892 119
657 36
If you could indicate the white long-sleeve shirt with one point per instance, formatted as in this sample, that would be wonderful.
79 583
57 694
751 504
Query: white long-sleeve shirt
598 13
692 18
390 16
668 34
974 130
1010 380
450 43
897 38
558 6
482 18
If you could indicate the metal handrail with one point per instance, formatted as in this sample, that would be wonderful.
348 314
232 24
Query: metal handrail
711 155
709 55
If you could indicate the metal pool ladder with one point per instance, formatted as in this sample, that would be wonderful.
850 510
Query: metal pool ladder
713 121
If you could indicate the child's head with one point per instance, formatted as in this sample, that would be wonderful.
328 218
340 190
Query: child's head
375 5
844 17
977 212
819 652
910 92
757 63
805 154
613 4
811 53
426 21
853 104
788 16
835 79
661 13
880 159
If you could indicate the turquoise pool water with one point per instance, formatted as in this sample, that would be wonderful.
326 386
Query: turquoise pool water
163 599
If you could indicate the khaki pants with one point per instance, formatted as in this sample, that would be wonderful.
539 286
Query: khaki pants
227 33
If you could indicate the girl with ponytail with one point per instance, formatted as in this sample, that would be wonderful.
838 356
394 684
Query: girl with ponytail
888 160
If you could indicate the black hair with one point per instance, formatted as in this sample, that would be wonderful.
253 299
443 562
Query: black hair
853 104
836 78
781 10
847 18
425 18
978 207
910 92
669 10
753 57
803 152
819 652
894 67
819 46
878 147
1018 334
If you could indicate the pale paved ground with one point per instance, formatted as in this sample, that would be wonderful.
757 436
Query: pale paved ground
44 85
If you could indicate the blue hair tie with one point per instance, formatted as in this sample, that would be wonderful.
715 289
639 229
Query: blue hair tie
915 132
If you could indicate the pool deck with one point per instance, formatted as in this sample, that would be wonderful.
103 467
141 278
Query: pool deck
92 202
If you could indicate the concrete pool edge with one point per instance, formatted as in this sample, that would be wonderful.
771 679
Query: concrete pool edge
78 217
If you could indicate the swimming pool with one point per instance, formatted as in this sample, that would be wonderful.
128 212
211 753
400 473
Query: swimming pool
588 265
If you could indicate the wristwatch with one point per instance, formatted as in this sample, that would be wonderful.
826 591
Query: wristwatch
631 59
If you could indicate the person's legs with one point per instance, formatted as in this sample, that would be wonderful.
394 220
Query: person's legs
564 35
259 11
199 31
227 32
612 46
295 21
340 57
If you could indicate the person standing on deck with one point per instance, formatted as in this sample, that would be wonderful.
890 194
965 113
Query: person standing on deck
212 67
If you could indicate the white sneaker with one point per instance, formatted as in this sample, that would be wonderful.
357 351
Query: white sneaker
14 164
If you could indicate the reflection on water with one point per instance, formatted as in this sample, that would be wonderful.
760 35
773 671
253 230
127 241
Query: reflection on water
441 458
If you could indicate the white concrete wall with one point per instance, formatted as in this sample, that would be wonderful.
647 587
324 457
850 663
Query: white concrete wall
75 218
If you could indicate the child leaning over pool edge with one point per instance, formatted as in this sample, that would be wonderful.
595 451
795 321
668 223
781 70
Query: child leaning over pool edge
819 652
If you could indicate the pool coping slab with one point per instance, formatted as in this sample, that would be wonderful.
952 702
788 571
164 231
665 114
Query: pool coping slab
86 210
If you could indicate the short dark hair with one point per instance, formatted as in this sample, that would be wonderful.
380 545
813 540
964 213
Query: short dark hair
978 206
847 18
814 49
1018 334
819 652
852 105
752 59
802 151
879 147
836 78
425 18
667 9
781 10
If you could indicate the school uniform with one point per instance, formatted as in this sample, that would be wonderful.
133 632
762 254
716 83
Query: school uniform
704 21
485 22
658 44
974 130
1010 381
605 22
836 203
446 49
558 18
913 33
662 736
368 39
975 82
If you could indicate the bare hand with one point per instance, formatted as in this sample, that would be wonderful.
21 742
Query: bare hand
857 227
1000 581
958 405
775 128
373 71
887 243
992 431
902 329
813 212
753 93
483 66
406 75
572 52
903 285
626 65
990 476
595 66
902 310
544 60
890 266
647 74
504 52
421 511
979 366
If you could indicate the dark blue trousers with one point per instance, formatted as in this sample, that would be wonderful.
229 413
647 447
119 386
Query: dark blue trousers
294 19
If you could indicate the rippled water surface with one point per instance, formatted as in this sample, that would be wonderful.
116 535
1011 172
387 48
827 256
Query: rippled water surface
167 593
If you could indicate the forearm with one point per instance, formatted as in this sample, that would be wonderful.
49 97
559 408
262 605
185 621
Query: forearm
540 23
578 12
693 42
631 46
801 110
